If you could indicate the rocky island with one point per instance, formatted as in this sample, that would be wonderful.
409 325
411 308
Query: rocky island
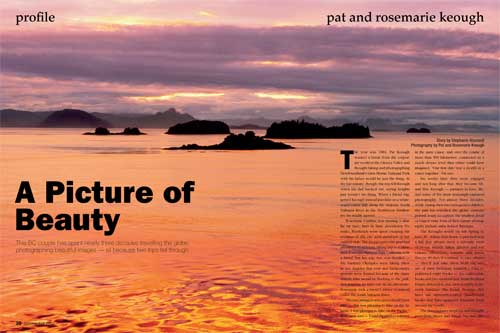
294 129
418 130
247 141
105 131
200 127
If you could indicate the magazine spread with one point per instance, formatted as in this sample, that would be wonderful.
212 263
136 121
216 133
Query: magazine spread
249 166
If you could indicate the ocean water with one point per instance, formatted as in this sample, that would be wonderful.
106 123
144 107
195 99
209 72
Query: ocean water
255 251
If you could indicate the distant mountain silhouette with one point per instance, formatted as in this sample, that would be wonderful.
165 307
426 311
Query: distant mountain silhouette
247 141
418 130
73 118
105 131
163 119
166 119
18 118
294 129
200 127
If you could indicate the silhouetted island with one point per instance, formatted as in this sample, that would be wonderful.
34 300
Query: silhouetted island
131 131
200 127
418 130
294 129
105 131
73 118
99 131
247 141
248 126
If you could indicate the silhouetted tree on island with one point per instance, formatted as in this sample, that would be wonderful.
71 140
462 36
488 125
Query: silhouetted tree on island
294 129
247 141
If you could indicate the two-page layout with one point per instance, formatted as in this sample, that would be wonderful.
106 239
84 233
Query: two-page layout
249 166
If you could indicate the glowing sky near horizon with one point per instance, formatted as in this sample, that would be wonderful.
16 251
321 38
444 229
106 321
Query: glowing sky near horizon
252 59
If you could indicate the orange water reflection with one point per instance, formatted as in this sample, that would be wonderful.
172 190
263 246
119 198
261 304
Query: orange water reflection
262 232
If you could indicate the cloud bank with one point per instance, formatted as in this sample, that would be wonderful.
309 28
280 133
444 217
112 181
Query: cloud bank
214 70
